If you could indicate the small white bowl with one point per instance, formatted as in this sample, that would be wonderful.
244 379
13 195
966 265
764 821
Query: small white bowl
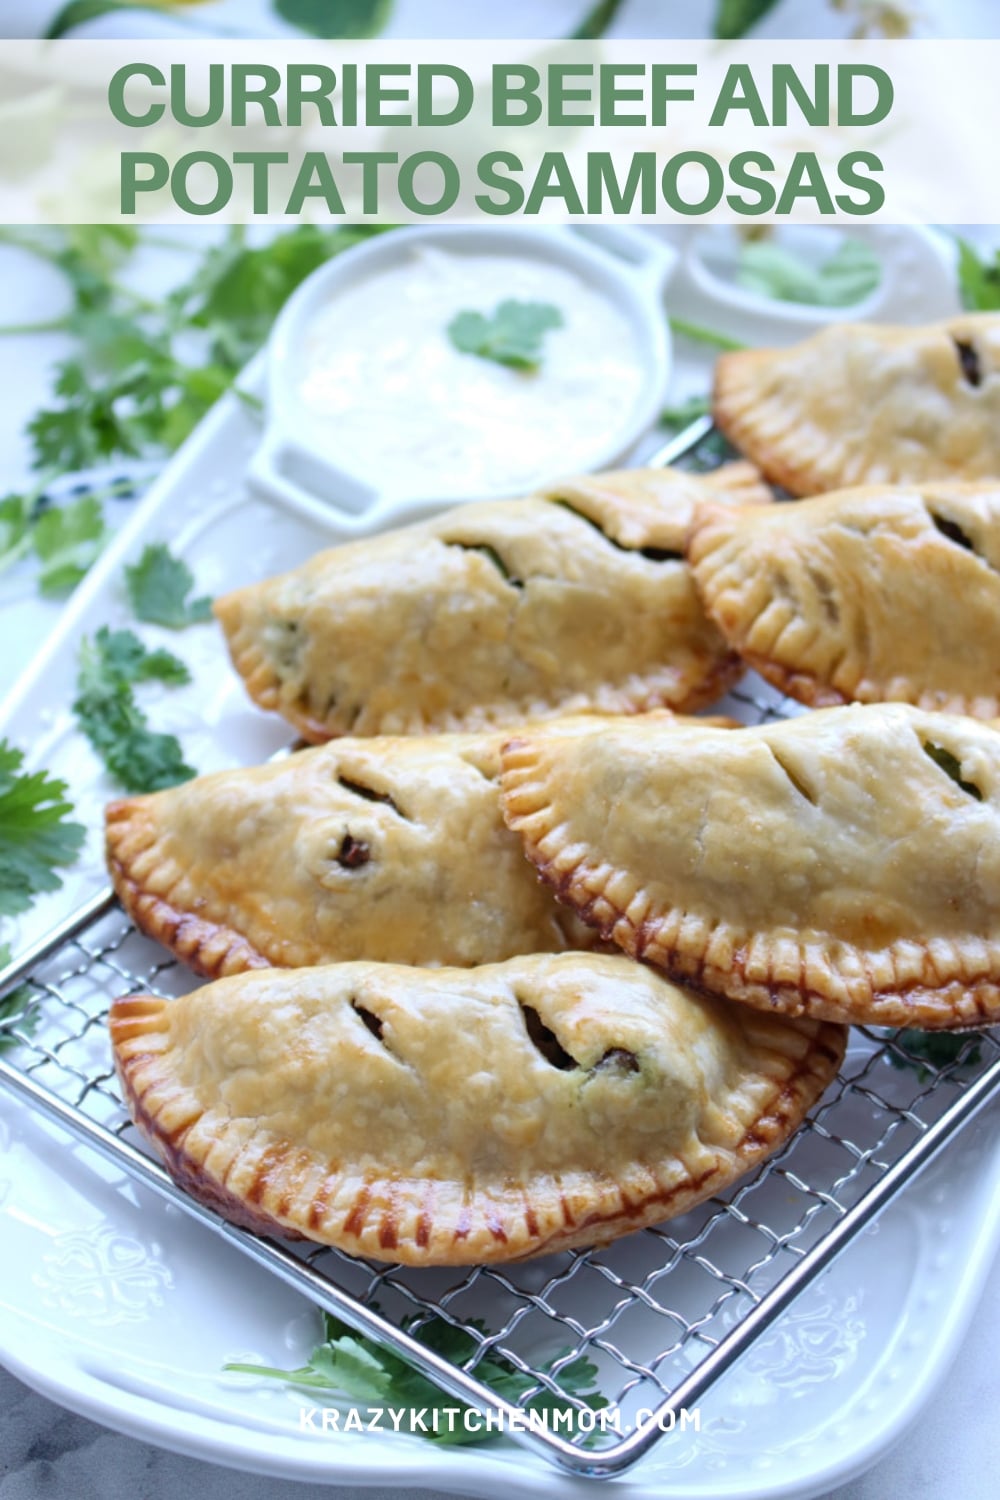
628 269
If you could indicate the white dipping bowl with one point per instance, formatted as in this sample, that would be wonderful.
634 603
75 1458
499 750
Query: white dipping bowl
298 463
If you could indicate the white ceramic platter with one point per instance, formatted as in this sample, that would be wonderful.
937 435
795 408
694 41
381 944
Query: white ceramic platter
118 1306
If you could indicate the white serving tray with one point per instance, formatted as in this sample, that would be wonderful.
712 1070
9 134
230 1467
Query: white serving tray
117 1306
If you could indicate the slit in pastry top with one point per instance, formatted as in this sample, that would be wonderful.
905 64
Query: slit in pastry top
873 594
493 613
863 403
843 864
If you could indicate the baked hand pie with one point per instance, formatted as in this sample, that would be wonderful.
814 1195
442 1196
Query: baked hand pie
447 1117
844 864
860 403
493 613
393 850
868 594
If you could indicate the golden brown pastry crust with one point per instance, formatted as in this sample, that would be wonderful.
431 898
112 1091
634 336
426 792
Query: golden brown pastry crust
494 613
871 594
860 403
845 864
393 850
409 1116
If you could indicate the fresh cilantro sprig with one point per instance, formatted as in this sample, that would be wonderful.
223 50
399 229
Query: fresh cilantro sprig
978 280
105 706
512 335
357 1367
65 539
15 1006
36 836
158 586
143 373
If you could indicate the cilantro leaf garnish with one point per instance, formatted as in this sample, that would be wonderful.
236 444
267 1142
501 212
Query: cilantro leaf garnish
158 586
978 281
512 335
107 711
15 1006
35 834
356 1366
936 1048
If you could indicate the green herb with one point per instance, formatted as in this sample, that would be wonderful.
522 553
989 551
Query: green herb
144 373
36 837
701 335
16 1006
939 1048
686 412
511 336
597 21
158 586
357 1367
110 666
978 281
336 18
849 275
67 540
734 18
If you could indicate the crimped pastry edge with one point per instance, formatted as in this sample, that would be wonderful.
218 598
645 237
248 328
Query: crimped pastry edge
210 949
501 1226
716 958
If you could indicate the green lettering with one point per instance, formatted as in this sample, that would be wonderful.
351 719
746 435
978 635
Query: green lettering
132 183
714 184
847 73
661 95
318 95
369 162
243 93
738 91
612 93
379 95
464 94
223 182
315 179
260 163
786 83
553 180
491 177
515 83
805 180
216 104
116 95
743 177
602 180
451 183
874 192
560 95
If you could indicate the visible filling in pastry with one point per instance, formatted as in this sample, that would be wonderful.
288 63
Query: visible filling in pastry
870 594
845 864
860 403
494 613
458 1116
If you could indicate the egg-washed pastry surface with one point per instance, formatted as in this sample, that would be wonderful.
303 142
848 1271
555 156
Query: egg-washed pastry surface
388 849
863 403
868 594
437 1117
493 613
844 864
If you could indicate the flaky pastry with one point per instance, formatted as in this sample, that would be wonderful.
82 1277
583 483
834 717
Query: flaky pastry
494 613
863 403
844 864
393 850
448 1116
885 592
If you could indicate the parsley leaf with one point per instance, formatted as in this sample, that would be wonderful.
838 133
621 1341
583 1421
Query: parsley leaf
158 586
978 281
849 275
734 18
685 412
356 1366
511 336
35 836
110 717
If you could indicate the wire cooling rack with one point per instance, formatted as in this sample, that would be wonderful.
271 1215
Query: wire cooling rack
662 1313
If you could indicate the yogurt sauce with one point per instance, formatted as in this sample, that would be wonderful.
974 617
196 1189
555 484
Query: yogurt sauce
393 401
